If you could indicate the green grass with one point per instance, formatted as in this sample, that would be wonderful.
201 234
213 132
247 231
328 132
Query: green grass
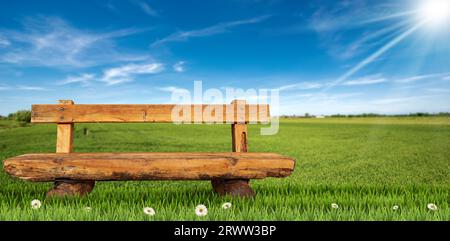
366 165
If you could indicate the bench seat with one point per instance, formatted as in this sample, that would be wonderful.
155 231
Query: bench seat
148 166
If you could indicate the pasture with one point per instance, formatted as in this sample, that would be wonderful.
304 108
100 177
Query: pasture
365 165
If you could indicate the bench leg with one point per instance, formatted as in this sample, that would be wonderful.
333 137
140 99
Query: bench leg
70 188
233 187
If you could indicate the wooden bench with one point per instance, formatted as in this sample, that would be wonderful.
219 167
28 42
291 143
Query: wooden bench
76 173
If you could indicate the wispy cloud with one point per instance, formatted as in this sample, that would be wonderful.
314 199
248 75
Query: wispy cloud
375 55
51 41
370 80
126 73
346 15
84 79
4 87
361 81
23 87
326 97
395 100
336 23
179 66
173 89
349 103
208 31
146 8
419 77
28 87
413 79
302 86
4 42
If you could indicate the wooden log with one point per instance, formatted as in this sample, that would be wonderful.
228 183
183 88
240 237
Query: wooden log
67 113
63 188
148 166
64 144
233 187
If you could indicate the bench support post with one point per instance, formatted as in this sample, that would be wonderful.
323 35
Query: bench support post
64 144
239 135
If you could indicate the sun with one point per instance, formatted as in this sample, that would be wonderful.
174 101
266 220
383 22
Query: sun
434 12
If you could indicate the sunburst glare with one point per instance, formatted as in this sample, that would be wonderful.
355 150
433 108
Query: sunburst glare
434 12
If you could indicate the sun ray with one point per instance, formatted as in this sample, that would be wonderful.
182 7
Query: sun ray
375 55
390 17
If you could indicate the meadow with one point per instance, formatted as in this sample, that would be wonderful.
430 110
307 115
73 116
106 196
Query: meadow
365 165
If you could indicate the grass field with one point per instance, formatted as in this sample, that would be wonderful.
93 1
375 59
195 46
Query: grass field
365 165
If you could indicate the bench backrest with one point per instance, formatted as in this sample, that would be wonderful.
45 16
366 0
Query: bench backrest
66 113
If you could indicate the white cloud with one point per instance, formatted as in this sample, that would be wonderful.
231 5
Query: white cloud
395 100
4 87
125 73
4 42
28 87
301 86
346 15
213 30
304 95
83 79
365 81
321 103
413 79
333 97
23 87
420 77
145 7
342 26
173 89
179 67
46 41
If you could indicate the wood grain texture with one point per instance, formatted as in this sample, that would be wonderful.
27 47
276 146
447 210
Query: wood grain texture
64 138
66 113
148 166
239 136
64 134
239 131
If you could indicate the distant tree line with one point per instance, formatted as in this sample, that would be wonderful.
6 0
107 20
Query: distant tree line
23 116
417 114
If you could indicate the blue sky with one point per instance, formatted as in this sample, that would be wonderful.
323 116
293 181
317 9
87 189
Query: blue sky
325 57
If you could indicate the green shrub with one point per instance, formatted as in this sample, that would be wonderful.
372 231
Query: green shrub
23 116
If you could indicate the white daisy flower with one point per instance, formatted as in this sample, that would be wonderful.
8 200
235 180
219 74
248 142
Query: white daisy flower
201 210
36 204
432 206
395 207
149 211
334 205
226 205
87 209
